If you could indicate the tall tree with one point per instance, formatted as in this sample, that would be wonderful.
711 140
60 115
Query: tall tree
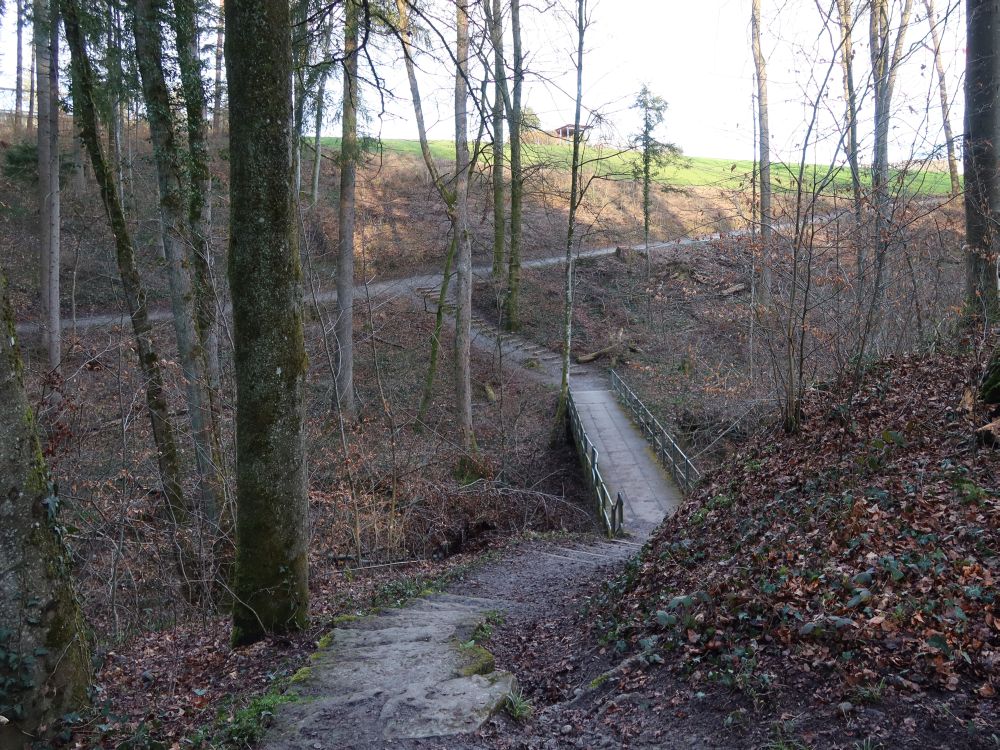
31 93
84 86
763 127
575 195
217 89
514 117
320 111
174 191
199 194
982 170
447 195
345 245
54 311
495 22
45 669
653 154
271 583
949 137
19 72
846 20
115 94
46 43
463 307
886 55
301 51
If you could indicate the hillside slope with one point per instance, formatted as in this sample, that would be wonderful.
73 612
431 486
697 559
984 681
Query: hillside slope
835 588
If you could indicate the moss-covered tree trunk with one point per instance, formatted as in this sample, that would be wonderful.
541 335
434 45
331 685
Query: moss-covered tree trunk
345 246
982 168
83 87
185 25
44 654
174 193
271 582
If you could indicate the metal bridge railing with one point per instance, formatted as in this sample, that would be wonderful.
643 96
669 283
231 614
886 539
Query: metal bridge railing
611 513
670 454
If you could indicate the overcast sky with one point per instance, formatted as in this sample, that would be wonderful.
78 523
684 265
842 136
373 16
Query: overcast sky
696 55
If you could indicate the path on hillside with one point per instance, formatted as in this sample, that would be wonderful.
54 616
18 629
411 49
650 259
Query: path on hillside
389 289
412 676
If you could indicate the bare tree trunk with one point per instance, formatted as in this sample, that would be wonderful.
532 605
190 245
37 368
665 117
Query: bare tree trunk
345 246
44 145
851 103
54 312
463 307
982 169
499 195
320 109
31 125
19 73
114 86
885 57
447 197
48 176
300 62
271 583
949 136
514 113
46 664
173 194
217 92
764 135
132 287
574 199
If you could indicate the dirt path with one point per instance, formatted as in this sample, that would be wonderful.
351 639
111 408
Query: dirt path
388 289
412 676
401 679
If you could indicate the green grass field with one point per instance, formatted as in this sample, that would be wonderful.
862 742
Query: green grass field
689 171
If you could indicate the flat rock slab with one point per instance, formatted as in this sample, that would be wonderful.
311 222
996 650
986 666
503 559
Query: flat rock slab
395 676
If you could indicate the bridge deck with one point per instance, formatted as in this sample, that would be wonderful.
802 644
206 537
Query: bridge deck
627 463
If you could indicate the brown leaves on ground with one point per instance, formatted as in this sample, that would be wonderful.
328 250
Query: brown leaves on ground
864 550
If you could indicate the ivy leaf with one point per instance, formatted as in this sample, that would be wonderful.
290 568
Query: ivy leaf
940 643
665 619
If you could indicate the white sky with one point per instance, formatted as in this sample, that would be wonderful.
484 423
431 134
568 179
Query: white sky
696 55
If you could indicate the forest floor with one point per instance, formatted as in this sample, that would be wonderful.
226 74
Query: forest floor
831 589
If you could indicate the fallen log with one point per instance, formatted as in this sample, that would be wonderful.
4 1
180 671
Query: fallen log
594 356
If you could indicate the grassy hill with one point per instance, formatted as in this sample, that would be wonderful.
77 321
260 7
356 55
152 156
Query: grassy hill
690 171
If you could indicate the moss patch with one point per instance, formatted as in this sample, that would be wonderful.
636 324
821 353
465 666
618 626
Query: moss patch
476 660
301 676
